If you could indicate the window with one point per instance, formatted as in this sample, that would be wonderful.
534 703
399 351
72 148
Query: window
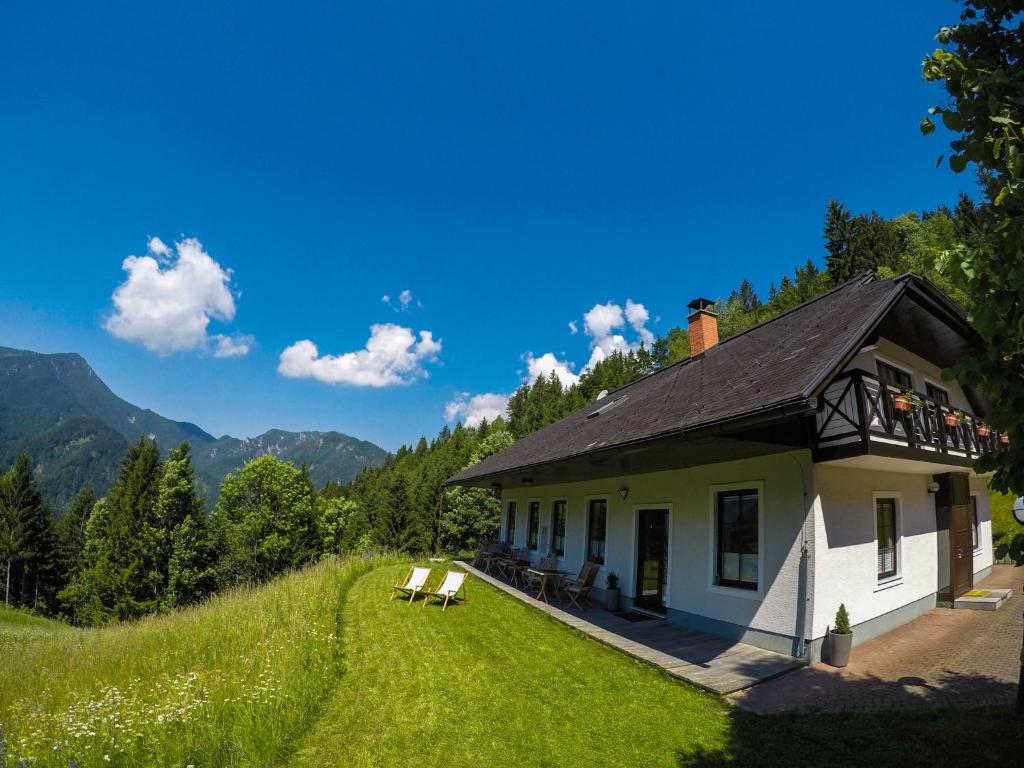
975 529
597 521
938 394
531 536
558 527
510 524
737 538
895 376
885 527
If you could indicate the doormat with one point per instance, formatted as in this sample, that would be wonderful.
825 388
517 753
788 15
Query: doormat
634 616
976 593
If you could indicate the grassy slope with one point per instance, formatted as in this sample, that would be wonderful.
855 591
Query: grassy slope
497 683
232 682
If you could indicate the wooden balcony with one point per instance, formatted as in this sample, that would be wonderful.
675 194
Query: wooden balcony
856 416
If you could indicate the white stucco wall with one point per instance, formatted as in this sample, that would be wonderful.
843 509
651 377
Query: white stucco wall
846 548
920 370
687 493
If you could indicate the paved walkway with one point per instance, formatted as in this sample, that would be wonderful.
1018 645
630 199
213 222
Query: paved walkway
710 662
945 657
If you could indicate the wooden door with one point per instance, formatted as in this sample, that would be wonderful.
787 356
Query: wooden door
961 550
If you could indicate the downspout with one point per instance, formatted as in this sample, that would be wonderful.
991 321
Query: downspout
805 591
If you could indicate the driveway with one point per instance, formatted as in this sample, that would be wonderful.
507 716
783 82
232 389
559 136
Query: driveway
946 657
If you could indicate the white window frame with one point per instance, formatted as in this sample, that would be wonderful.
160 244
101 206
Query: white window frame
907 369
607 499
540 516
713 586
511 540
897 578
981 547
636 545
551 525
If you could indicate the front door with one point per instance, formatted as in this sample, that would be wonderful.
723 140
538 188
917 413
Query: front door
961 549
652 559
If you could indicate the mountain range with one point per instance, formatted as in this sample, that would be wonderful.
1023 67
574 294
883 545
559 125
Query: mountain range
76 430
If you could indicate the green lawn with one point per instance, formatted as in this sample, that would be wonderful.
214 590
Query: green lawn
320 669
497 683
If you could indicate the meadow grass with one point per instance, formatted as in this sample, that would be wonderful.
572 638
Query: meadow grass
495 682
231 682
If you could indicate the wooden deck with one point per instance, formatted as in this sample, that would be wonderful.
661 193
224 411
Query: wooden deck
707 661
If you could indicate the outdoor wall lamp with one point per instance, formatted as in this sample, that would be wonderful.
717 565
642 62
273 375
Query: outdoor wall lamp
933 487
1018 510
623 492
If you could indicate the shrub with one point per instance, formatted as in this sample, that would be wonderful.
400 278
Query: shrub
842 622
612 580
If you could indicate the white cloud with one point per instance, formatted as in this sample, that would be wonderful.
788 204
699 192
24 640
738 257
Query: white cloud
232 346
168 300
601 322
573 328
547 364
472 410
392 356
638 316
405 300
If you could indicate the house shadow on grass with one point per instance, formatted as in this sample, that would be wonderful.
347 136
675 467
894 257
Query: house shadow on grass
954 720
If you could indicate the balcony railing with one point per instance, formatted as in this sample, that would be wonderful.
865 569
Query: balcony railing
857 409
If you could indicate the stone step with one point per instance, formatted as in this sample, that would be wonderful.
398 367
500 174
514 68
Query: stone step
983 599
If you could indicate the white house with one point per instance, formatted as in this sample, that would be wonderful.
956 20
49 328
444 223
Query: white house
749 490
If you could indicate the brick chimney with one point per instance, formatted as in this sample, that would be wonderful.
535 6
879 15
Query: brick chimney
703 325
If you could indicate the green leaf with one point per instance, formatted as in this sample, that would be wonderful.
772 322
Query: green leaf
927 126
938 160
957 163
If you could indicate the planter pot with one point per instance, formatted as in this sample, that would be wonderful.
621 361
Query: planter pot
839 649
901 403
611 599
982 431
950 419
1004 439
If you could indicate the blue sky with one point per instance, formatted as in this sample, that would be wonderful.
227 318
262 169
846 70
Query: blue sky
510 165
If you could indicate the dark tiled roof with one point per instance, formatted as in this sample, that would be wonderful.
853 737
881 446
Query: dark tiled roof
776 363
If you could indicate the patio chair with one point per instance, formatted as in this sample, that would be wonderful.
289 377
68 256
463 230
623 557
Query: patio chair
547 563
414 583
578 589
454 583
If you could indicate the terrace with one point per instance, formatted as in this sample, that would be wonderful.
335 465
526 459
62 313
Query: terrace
859 415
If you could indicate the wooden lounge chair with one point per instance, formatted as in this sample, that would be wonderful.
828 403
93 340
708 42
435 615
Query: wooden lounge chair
578 589
414 583
454 583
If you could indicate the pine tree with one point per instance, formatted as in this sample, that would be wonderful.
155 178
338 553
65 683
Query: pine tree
71 534
838 234
29 539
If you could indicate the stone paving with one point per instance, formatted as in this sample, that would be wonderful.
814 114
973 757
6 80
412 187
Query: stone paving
946 657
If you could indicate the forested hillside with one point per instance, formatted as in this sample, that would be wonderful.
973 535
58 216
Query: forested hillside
58 411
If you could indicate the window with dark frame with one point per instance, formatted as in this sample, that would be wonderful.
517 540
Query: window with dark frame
895 376
885 528
737 544
597 521
975 529
558 527
532 533
510 524
938 394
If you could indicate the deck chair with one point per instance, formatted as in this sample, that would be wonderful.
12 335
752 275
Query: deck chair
578 589
414 583
454 583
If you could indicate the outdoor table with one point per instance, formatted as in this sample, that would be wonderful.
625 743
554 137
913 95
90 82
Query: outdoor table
490 559
516 569
545 575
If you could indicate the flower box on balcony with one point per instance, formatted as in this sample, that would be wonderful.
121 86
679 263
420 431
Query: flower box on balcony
1004 439
983 430
901 403
951 419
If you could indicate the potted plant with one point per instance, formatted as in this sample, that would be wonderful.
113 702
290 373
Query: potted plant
901 401
840 639
951 418
611 592
983 429
1004 438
